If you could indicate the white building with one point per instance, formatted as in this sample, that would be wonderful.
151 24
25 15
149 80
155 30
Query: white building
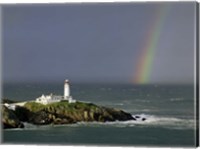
45 99
10 106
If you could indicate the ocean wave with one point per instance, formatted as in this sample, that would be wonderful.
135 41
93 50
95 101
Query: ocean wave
29 126
119 104
142 100
176 99
150 121
142 120
167 121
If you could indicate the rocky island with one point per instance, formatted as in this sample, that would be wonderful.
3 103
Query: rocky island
56 109
61 112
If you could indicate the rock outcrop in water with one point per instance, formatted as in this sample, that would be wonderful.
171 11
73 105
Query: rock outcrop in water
9 119
67 113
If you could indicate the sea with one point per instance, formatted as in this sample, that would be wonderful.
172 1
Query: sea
168 110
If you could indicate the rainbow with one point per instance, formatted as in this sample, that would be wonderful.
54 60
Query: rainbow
146 57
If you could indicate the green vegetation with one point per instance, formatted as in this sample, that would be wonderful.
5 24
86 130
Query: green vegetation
65 105
65 113
34 106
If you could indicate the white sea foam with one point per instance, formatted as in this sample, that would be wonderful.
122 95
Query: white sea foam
119 104
171 122
176 99
29 126
150 121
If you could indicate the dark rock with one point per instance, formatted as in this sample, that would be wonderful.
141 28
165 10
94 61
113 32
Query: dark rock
21 125
134 118
22 113
143 119
44 117
10 120
115 114
66 113
137 116
40 118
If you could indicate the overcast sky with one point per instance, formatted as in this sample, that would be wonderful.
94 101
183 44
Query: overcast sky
95 42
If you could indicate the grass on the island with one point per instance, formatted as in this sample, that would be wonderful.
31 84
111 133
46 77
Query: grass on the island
63 105
34 106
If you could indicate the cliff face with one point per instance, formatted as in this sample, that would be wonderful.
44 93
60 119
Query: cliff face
9 119
66 113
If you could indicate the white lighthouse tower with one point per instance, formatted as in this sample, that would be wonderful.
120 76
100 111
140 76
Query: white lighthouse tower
46 99
66 90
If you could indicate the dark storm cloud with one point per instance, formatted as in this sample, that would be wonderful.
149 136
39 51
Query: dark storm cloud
94 42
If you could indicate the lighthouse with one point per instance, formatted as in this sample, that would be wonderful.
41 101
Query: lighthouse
46 99
66 89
